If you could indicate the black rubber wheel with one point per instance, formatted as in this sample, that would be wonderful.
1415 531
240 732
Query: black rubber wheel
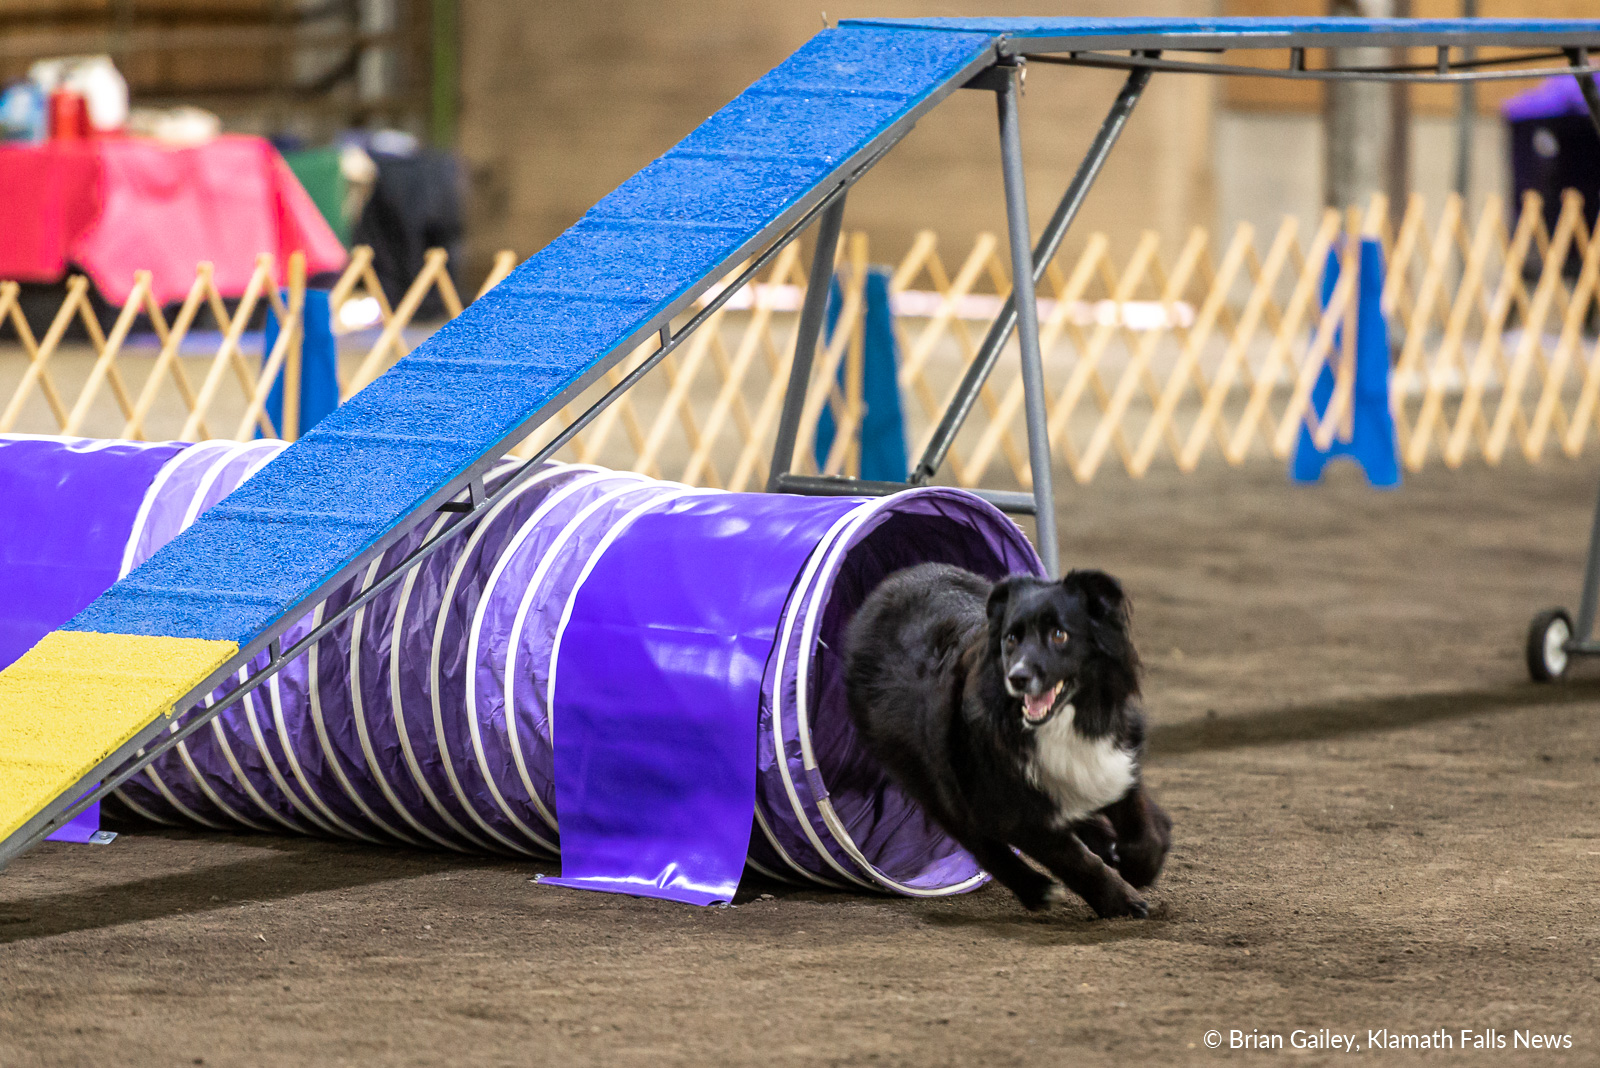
1548 636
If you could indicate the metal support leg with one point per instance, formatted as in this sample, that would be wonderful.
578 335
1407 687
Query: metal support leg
1591 569
1584 630
1591 96
806 336
1049 242
1022 291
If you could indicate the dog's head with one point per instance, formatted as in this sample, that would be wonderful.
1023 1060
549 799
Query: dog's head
1061 643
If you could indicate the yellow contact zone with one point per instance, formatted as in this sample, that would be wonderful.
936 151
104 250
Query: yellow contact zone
75 698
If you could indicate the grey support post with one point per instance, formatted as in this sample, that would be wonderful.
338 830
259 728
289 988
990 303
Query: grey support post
1591 96
1591 570
1584 631
1027 324
807 333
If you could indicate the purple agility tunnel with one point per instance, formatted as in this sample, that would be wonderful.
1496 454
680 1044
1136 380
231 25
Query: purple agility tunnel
641 677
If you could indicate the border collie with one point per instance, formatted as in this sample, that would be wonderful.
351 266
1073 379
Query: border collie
1010 713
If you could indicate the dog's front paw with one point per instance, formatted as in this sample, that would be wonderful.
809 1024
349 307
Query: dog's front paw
1141 862
1120 901
1040 896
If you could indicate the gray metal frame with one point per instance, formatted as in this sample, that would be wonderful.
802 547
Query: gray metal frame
1583 642
807 333
1024 297
1019 313
1236 39
996 71
1442 71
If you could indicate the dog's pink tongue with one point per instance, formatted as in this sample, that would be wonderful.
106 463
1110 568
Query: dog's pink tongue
1038 706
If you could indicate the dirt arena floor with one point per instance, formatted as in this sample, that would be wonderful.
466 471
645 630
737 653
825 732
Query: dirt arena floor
1380 825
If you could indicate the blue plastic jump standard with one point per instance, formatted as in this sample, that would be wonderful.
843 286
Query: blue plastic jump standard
883 427
319 364
1372 438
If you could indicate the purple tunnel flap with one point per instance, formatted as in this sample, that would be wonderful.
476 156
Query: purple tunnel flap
658 681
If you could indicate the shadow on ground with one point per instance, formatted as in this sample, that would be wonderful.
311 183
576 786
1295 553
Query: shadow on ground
297 866
1304 723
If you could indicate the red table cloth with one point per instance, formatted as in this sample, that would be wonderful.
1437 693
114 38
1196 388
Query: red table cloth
117 205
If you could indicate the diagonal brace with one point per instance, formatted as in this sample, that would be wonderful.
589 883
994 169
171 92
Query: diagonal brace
1049 243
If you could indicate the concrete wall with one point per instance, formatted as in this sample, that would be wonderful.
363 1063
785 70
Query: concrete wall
1269 164
563 101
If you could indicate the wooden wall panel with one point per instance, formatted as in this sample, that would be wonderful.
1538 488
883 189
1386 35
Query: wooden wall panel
1272 94
561 102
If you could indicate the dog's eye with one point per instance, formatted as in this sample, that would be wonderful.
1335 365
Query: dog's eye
1058 637
1011 642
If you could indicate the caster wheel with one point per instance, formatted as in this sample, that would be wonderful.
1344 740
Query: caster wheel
1548 636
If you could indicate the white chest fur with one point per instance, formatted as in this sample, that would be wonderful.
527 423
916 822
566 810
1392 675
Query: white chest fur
1082 775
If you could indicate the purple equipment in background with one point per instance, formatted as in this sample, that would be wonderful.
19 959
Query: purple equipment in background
1554 148
686 643
1551 97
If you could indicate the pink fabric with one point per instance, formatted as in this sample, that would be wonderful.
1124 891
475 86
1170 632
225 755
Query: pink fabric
159 209
47 198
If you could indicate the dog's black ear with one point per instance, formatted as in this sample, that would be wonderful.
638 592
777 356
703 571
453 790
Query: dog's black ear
999 598
1102 595
1108 610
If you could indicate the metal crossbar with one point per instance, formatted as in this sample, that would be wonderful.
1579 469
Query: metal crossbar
1441 72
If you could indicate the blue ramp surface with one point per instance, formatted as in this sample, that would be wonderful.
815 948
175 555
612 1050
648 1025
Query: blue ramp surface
539 336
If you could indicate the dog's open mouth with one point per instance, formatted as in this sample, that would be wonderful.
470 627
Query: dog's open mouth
1036 708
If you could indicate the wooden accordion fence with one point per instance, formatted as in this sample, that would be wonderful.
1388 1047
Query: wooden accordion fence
1151 356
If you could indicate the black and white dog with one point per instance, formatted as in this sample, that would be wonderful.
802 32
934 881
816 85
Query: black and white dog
1009 712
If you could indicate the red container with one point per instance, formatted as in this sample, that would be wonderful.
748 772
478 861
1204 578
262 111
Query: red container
69 116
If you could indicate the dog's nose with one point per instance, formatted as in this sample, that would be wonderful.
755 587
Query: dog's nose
1019 679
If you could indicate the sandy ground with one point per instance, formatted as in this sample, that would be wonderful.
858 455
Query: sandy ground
1380 824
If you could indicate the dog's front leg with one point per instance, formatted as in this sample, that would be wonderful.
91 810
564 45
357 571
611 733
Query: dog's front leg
1034 889
1099 836
1144 834
1085 874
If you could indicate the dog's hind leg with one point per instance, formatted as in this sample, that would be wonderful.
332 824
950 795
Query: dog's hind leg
1084 873
1144 834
